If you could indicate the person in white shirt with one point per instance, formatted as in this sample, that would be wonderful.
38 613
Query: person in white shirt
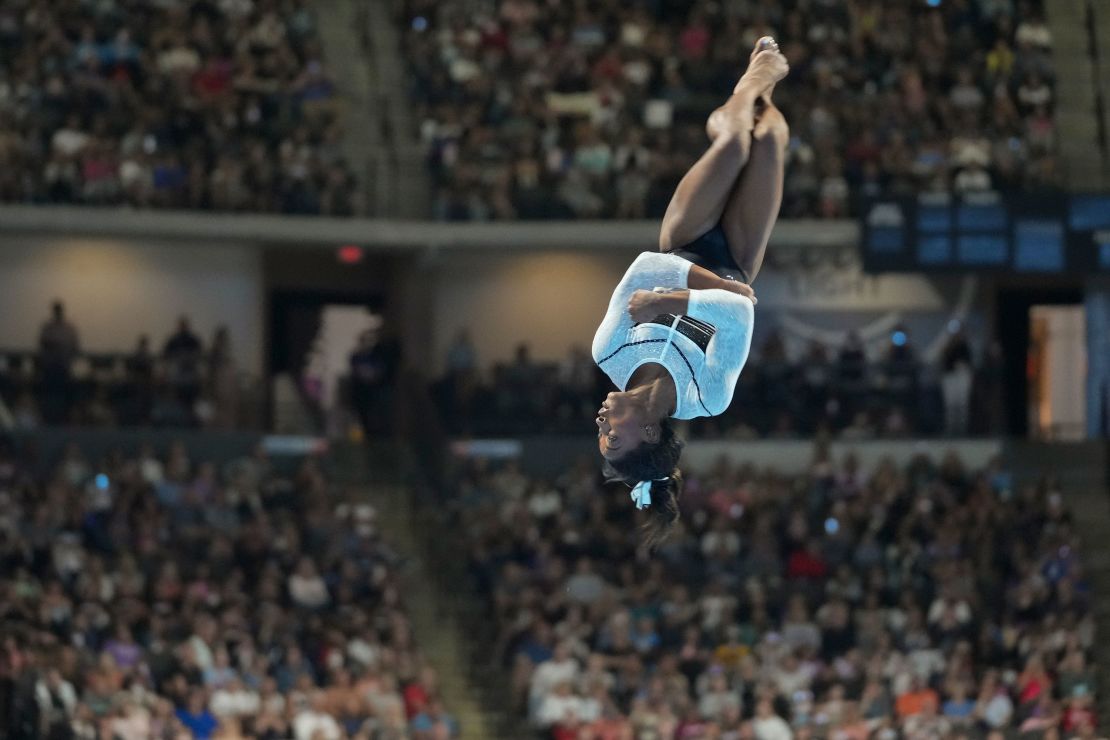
234 700
560 668
719 697
558 706
314 723
769 726
56 696
306 587
679 325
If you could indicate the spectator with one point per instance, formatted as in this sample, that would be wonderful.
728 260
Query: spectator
768 725
956 384
832 635
373 368
719 700
433 723
58 347
57 700
196 717
313 722
559 706
182 353
918 700
139 366
306 587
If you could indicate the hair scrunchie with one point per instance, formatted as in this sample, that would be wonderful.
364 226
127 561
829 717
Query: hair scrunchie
641 492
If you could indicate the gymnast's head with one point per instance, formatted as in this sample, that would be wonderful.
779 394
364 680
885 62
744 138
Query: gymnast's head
636 448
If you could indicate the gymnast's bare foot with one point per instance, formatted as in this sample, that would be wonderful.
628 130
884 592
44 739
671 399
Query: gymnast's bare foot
766 66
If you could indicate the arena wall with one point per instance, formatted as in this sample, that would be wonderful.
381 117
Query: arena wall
506 298
115 290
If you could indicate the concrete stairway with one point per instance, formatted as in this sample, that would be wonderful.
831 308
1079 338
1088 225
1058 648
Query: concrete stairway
408 192
290 414
1100 11
341 25
377 472
1077 120
1081 468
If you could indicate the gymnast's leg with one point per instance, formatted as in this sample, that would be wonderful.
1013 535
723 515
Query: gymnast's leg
701 197
753 207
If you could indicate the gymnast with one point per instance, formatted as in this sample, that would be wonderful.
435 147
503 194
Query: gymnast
679 325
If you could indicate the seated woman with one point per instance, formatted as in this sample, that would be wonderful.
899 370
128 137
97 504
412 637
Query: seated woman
679 324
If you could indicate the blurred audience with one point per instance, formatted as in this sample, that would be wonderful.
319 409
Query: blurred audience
562 110
201 105
924 601
162 597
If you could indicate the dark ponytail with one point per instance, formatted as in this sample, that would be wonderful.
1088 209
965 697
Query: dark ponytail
663 514
657 463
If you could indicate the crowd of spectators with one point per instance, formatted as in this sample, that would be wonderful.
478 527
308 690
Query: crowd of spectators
185 383
924 601
854 391
146 596
535 109
199 104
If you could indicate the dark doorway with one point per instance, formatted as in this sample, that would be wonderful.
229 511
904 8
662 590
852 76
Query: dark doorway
300 339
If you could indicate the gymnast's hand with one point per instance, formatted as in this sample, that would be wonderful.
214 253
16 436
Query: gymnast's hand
739 288
645 305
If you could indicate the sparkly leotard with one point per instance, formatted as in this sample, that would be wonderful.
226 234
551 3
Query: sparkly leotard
704 351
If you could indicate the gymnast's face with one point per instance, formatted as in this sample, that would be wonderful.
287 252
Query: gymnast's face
622 426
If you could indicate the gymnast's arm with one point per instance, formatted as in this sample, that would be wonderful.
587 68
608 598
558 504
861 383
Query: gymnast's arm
733 316
649 271
701 279
644 304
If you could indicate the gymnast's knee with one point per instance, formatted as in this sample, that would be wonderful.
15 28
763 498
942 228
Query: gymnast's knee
724 129
667 237
772 128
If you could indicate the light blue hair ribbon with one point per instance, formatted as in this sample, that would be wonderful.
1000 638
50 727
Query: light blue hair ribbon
641 493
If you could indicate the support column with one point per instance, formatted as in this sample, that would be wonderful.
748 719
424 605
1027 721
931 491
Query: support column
1097 304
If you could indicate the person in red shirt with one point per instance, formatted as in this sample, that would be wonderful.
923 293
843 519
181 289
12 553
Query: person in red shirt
915 701
807 563
1078 713
418 691
612 727
1033 681
568 729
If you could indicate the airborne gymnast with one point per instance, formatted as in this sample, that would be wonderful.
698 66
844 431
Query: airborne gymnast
679 325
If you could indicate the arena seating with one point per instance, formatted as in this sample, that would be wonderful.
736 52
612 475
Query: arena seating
925 601
164 597
203 105
558 110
